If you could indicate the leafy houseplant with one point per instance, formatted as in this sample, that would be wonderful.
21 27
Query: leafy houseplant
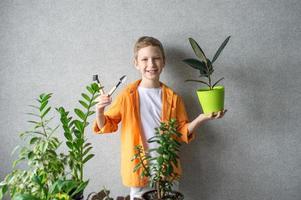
45 167
212 96
45 177
74 132
160 168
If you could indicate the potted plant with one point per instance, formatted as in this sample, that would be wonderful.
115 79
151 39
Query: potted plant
76 141
212 96
45 167
46 177
160 168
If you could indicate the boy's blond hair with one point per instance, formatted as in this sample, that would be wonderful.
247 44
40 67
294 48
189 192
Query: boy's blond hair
146 41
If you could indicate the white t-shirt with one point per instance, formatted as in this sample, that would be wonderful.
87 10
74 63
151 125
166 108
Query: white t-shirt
150 113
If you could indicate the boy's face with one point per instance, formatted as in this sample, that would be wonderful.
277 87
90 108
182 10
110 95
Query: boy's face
150 62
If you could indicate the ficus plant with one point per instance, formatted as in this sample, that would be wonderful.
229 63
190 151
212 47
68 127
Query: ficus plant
74 132
158 163
44 166
203 64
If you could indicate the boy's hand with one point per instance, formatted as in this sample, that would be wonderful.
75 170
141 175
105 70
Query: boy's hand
103 101
214 115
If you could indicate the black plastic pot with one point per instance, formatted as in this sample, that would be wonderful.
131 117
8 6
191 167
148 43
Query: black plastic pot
152 195
78 196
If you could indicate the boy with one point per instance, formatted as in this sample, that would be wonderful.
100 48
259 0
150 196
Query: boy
141 106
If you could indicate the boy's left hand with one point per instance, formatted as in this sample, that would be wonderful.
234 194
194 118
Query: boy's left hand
214 115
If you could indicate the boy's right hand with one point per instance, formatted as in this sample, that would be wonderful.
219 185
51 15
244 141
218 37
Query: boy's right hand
103 101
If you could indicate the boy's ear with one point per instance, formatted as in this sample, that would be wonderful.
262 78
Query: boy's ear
135 63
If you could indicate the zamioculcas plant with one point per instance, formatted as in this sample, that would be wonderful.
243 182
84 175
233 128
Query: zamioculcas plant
74 132
203 64
44 165
212 96
158 163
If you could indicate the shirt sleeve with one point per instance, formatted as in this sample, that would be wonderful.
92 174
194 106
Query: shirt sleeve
112 117
183 121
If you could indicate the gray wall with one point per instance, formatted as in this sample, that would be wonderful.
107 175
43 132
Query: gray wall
253 153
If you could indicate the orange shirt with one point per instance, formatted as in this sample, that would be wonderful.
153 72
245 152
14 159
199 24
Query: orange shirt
125 108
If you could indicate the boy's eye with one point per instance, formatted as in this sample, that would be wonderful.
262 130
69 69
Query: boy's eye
144 59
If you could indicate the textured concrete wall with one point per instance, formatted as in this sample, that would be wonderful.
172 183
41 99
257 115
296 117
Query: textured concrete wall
253 153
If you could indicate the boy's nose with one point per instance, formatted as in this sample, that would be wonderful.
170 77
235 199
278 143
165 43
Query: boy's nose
151 62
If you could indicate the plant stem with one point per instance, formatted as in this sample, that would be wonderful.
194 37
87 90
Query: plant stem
143 165
209 82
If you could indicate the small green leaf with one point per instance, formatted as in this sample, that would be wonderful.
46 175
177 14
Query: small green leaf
90 89
68 135
95 87
87 151
3 190
34 140
88 158
45 113
80 113
43 104
84 104
79 125
69 144
33 122
94 103
91 113
77 133
87 144
86 97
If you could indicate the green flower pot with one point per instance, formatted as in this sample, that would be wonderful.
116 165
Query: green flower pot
211 100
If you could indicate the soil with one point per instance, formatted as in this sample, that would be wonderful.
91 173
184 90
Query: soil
152 195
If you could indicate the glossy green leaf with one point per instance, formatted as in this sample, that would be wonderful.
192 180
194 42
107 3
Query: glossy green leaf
196 64
197 50
220 49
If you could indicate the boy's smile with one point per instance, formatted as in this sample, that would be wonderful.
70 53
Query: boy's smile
150 63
